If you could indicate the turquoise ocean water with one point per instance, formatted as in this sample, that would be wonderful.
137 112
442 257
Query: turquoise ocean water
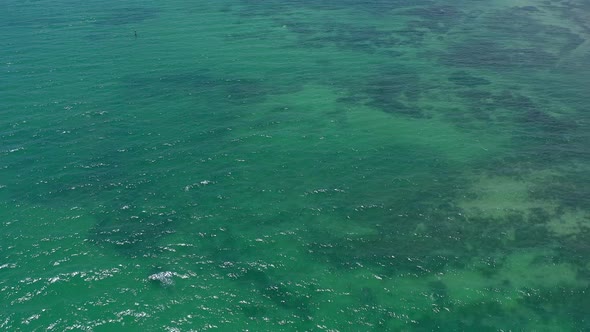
294 165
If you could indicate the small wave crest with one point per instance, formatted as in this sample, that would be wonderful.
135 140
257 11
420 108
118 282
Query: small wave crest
164 278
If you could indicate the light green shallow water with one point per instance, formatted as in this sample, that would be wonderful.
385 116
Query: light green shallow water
329 165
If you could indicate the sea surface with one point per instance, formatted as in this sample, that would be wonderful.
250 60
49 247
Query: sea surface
295 165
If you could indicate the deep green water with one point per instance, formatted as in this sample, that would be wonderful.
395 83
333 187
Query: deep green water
296 165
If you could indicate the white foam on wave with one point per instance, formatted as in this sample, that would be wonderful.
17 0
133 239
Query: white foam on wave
164 277
198 184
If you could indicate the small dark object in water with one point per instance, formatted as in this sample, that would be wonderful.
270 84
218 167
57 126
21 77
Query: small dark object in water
135 32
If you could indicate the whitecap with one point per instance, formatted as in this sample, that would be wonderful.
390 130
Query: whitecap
165 277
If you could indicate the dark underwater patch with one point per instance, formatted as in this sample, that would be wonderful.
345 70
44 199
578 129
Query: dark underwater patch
127 15
357 36
234 90
413 236
480 316
571 303
534 127
522 24
350 37
435 18
344 36
539 45
486 54
378 7
439 291
130 231
279 293
574 249
529 9
393 82
571 189
79 180
464 78
392 90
